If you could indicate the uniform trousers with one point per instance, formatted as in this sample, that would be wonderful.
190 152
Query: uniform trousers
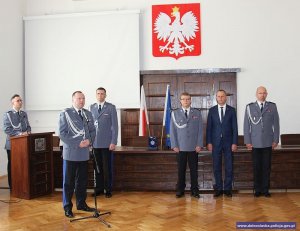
192 159
104 177
262 168
75 177
9 168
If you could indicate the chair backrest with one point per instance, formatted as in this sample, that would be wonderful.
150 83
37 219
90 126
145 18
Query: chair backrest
290 139
241 141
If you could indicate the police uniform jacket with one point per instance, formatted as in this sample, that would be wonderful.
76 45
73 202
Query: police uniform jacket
72 130
261 129
106 124
186 133
14 124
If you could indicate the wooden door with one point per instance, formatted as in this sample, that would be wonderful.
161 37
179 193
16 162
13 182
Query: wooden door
155 92
201 86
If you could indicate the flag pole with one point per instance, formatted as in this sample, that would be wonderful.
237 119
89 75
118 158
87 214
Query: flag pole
162 135
148 126
165 114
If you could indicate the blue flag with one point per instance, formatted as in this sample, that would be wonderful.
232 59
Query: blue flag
167 116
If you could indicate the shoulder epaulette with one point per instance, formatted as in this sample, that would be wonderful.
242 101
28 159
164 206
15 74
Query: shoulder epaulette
271 102
67 109
250 103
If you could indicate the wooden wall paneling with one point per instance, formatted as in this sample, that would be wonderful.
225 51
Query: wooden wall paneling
287 175
205 172
129 126
227 82
155 90
201 86
151 172
139 169
242 170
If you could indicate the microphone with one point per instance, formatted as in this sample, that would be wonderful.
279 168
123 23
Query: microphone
92 141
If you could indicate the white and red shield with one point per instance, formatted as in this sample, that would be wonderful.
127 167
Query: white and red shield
176 30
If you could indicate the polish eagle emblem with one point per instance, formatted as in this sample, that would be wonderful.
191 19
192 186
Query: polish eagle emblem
176 32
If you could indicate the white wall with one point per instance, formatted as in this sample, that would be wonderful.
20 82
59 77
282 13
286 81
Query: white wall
261 37
11 61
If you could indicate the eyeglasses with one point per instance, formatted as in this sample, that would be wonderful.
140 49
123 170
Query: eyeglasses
19 100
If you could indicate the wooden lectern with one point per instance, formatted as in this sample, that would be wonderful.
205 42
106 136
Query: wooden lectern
32 165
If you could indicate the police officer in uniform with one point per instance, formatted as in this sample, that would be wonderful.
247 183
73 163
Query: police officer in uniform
15 123
186 140
76 130
261 135
106 124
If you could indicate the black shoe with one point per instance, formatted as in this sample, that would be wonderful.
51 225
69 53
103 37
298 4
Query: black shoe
257 194
218 193
179 194
69 213
267 194
86 208
195 194
108 195
228 193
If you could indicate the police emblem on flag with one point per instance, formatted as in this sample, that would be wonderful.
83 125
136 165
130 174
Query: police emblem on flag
176 30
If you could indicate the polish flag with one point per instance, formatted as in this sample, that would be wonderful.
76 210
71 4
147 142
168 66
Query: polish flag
143 114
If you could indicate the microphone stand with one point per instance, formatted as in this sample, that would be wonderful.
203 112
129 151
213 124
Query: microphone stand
96 214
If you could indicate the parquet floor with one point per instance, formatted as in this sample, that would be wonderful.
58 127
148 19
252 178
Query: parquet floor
150 211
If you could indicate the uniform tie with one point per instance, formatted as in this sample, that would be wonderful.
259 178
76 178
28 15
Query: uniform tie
185 113
79 112
99 109
222 114
261 107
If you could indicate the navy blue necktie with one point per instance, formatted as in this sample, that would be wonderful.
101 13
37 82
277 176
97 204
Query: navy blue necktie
99 109
222 114
262 107
185 113
79 112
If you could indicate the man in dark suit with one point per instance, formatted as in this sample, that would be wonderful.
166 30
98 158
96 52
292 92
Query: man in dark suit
186 141
222 138
261 135
106 124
